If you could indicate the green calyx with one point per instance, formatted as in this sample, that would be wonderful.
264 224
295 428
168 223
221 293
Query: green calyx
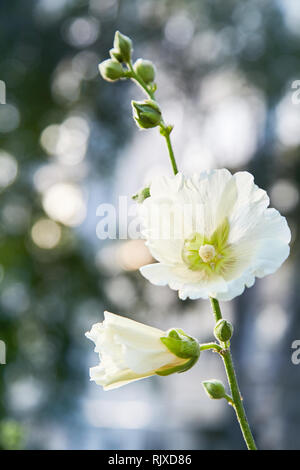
211 255
183 347
116 55
141 195
147 113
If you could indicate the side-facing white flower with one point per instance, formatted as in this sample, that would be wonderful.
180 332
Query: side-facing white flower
212 234
131 351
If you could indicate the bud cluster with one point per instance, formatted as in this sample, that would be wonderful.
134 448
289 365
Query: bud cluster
112 69
147 113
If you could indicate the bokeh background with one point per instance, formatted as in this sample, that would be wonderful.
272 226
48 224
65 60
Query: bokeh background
67 144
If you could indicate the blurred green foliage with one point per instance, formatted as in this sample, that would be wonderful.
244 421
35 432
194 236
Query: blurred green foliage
11 435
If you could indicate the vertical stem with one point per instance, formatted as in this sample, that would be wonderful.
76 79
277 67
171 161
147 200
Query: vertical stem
216 309
166 133
237 401
235 391
165 130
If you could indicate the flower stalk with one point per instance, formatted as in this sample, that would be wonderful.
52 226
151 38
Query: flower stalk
234 387
213 256
149 88
165 130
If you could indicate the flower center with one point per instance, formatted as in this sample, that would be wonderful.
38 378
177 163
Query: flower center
210 255
207 253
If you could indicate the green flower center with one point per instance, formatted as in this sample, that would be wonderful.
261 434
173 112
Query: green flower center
213 255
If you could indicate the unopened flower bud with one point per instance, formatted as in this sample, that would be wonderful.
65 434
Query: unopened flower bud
132 351
123 47
214 389
145 69
142 195
146 113
185 347
115 54
111 70
223 330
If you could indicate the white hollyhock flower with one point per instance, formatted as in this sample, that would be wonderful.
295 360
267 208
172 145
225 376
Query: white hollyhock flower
131 351
212 234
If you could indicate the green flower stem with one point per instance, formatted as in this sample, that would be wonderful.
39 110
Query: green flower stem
164 129
216 309
236 396
206 346
229 399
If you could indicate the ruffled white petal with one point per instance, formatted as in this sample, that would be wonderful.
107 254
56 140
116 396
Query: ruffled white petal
158 274
235 287
115 379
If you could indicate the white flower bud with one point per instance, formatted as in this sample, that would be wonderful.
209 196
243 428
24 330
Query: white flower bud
131 351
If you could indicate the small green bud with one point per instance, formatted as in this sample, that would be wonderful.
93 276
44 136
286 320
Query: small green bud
123 47
142 195
111 70
146 113
214 389
114 54
223 330
145 69
182 346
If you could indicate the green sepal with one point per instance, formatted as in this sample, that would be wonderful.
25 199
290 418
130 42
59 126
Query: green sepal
123 47
115 54
142 195
147 113
182 346
179 369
